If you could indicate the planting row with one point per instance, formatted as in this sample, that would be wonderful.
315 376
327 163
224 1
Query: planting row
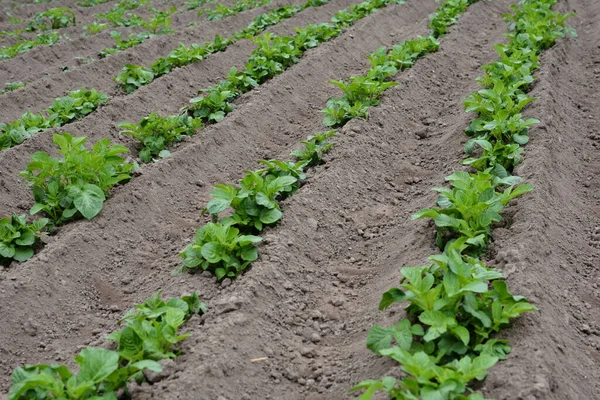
118 16
456 303
134 76
63 110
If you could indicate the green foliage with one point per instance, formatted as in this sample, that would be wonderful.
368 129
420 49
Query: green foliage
24 45
75 105
155 133
215 105
12 19
63 110
255 202
10 86
116 16
149 334
362 92
193 4
77 183
220 249
124 44
315 146
456 303
150 330
446 15
471 207
17 237
263 21
500 129
132 77
160 22
221 11
91 3
100 376
94 28
54 18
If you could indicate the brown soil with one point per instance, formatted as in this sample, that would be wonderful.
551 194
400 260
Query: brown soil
308 302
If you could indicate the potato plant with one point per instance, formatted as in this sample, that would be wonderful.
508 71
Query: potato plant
63 110
156 133
315 147
54 18
221 11
95 28
150 332
18 237
76 184
471 206
220 249
24 45
12 86
123 44
132 76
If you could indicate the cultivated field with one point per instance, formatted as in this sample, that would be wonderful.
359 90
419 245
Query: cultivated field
331 263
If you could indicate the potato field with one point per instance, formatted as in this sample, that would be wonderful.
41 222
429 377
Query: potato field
299 199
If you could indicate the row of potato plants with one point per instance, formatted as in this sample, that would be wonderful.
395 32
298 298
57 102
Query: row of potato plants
457 304
159 25
77 104
225 247
77 183
150 333
61 17
134 76
24 45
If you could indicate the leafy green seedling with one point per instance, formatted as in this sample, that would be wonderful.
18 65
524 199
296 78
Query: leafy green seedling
77 183
220 249
54 18
471 206
132 77
156 133
17 237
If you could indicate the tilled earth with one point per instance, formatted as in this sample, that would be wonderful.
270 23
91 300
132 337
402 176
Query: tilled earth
294 326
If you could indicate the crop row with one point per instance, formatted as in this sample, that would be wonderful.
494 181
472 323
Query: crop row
117 16
133 76
151 330
63 110
455 302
